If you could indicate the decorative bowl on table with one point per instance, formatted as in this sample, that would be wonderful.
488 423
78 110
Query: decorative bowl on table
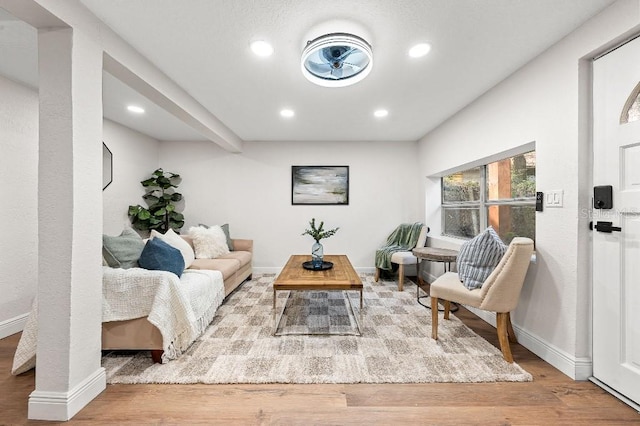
315 266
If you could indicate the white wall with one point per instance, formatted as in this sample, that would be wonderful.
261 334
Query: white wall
544 102
135 157
252 192
19 212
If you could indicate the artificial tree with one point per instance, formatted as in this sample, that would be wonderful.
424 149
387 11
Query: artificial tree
161 197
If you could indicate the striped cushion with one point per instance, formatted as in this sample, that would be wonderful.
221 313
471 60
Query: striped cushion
479 257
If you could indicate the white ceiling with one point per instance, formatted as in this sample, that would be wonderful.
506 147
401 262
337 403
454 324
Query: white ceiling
203 45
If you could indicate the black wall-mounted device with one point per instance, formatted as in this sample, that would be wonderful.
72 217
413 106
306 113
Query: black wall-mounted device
539 201
603 197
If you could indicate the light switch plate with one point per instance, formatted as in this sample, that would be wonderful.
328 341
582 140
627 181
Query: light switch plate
553 198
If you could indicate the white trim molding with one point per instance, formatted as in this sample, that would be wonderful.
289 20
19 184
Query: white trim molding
13 325
578 368
61 406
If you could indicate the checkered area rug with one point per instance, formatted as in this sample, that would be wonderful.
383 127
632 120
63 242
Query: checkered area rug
395 346
318 312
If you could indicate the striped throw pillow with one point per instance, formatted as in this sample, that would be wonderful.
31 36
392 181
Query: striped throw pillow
479 257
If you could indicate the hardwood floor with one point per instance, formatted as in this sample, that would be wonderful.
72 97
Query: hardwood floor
551 399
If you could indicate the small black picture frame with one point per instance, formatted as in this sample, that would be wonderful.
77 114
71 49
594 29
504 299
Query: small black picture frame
320 185
107 166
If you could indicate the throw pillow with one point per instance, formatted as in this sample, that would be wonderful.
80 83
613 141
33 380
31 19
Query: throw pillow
225 229
209 243
174 240
478 257
124 250
160 256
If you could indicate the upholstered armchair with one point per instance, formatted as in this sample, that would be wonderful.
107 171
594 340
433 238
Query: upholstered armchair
499 292
398 249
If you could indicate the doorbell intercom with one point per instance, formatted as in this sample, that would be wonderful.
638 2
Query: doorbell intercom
603 197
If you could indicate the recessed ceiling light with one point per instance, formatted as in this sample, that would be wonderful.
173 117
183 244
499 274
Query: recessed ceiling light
262 48
136 109
419 50
381 113
287 113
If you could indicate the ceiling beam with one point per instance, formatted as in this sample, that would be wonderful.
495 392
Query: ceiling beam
201 120
32 13
127 64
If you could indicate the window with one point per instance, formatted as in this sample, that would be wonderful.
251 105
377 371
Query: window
631 110
501 194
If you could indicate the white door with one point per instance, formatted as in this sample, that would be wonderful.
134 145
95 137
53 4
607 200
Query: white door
616 254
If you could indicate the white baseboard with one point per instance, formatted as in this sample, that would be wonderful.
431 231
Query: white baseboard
61 406
428 277
583 368
13 325
266 270
576 368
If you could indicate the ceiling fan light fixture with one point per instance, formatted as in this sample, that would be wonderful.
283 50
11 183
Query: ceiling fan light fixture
336 60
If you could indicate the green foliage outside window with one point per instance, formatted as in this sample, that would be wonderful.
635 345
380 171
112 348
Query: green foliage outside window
513 210
523 175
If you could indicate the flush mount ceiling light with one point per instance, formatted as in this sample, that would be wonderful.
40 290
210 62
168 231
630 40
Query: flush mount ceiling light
336 60
380 113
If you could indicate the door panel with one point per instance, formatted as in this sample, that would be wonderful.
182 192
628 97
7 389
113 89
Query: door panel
616 255
630 169
631 286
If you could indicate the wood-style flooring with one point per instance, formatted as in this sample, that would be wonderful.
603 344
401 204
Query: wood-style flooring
551 399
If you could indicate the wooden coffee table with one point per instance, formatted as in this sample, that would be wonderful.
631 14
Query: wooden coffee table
294 277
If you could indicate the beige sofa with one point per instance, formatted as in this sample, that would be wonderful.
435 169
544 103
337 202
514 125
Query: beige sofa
140 334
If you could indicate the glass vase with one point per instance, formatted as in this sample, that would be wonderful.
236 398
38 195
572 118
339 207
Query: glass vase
317 253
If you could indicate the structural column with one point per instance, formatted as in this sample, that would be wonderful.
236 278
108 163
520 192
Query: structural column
68 371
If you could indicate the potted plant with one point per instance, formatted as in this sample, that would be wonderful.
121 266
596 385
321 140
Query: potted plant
161 197
317 251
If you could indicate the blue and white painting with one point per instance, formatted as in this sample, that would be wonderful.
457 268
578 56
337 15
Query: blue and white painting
320 185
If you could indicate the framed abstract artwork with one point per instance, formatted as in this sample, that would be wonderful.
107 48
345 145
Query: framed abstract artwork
319 185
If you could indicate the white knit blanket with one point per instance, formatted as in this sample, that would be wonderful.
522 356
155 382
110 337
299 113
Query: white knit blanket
181 308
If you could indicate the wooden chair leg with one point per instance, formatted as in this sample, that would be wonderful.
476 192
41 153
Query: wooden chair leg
400 277
156 355
501 320
447 309
434 318
510 332
377 277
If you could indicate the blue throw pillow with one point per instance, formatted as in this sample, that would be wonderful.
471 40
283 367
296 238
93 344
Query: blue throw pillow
478 257
160 256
